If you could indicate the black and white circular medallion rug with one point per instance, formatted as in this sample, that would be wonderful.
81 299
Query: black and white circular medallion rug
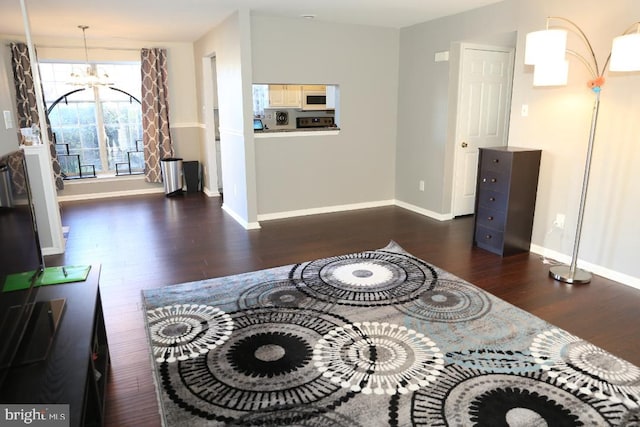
183 331
582 366
463 397
282 293
366 279
448 301
376 338
378 358
265 365
306 416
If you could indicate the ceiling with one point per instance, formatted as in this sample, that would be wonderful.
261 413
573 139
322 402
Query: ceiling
188 20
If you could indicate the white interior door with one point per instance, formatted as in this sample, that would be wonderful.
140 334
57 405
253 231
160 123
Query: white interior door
483 110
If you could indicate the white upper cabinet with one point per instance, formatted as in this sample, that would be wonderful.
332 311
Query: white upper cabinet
285 96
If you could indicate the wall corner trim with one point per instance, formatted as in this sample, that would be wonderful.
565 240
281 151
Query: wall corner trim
425 212
240 220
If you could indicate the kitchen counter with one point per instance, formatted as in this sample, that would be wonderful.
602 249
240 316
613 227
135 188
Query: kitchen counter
272 133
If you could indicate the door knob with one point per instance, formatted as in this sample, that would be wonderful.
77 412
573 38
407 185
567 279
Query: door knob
464 144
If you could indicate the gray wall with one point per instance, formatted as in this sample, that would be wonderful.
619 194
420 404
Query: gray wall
8 137
427 96
356 166
558 123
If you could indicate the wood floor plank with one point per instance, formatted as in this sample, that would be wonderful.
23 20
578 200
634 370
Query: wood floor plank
151 241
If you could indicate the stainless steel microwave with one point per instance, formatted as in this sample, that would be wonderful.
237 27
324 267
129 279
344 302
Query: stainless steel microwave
314 100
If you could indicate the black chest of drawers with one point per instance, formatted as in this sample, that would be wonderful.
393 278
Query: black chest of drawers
505 199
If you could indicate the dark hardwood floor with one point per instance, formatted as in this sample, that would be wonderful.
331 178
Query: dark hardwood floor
151 241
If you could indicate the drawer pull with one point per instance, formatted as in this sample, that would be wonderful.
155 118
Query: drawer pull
492 199
488 236
496 160
490 218
494 180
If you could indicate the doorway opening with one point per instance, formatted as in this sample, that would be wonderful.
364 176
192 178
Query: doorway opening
212 149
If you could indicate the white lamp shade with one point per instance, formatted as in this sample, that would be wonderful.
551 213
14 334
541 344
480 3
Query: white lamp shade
551 73
625 53
545 46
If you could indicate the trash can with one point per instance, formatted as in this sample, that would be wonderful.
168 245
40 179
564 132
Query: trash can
171 175
6 194
192 175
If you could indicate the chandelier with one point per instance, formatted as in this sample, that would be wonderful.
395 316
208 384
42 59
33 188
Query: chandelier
88 77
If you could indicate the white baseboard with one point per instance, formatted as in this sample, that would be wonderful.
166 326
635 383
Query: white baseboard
323 210
422 211
210 193
106 195
239 219
355 206
625 279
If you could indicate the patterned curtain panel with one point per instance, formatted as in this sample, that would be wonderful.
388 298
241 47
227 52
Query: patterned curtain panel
16 172
156 136
26 102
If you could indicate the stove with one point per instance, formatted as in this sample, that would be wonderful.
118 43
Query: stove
314 122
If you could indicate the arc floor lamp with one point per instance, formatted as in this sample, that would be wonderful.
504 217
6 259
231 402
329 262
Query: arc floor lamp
547 51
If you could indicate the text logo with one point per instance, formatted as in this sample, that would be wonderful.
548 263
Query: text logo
34 415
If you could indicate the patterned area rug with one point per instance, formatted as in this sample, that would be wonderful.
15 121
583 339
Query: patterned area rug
378 338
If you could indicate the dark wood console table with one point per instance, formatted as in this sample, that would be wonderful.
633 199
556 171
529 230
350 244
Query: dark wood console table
76 369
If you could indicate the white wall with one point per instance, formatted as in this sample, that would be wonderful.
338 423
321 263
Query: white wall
558 123
230 43
356 166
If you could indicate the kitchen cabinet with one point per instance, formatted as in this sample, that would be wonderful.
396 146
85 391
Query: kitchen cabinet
313 88
505 199
285 96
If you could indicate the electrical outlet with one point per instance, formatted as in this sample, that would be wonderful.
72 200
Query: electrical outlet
524 112
421 185
559 222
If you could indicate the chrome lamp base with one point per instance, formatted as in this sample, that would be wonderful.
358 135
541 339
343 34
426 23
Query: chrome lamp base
563 273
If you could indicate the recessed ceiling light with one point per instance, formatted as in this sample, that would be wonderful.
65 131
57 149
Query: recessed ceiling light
308 16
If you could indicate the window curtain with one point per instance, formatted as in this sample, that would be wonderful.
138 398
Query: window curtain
14 162
156 137
26 102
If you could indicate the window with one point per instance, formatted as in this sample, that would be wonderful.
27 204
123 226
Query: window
97 129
